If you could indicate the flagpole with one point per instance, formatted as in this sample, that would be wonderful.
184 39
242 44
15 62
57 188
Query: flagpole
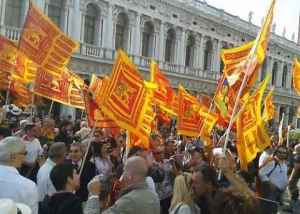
8 92
90 140
50 110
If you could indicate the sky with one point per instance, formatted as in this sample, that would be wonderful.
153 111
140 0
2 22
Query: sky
286 14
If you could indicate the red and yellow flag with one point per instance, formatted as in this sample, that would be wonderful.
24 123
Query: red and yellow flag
296 75
247 59
251 132
128 100
13 62
44 43
63 90
164 94
189 121
269 107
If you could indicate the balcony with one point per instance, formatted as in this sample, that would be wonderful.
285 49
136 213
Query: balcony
108 55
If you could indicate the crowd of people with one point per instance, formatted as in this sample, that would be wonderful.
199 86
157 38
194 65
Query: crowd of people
58 167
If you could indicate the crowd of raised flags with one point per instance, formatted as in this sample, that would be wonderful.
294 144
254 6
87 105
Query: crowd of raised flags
126 100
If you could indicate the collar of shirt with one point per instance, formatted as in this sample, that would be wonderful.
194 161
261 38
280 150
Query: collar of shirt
9 169
50 162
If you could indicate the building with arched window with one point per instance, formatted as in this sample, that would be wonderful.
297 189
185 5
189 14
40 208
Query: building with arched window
185 37
148 39
121 32
208 53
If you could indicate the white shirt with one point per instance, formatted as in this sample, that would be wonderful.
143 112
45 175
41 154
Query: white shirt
103 166
18 188
44 184
34 150
279 175
151 184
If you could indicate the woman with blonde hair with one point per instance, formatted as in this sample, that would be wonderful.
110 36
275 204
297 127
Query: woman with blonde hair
182 201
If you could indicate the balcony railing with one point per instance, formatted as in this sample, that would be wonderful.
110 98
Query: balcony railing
11 32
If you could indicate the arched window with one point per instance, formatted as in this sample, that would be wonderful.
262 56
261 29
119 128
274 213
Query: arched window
274 73
208 55
121 32
264 69
170 46
56 12
148 40
90 24
13 13
189 54
284 76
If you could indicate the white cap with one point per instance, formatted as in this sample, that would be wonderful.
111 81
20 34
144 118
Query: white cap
8 206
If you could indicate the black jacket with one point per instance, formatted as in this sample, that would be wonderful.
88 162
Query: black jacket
64 203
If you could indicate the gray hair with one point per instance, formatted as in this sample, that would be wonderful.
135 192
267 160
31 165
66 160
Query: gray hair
57 150
137 166
10 146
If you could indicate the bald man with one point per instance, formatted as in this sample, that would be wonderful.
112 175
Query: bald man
135 198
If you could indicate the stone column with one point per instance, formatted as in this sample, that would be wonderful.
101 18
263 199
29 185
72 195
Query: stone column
279 74
66 14
198 47
217 57
182 50
75 21
109 35
270 69
202 49
2 18
289 77
137 36
25 6
162 42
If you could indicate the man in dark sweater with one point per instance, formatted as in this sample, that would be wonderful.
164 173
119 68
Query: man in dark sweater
65 181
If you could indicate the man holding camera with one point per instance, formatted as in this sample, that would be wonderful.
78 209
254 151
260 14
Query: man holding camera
273 173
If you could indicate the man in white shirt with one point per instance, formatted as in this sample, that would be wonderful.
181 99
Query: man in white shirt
56 155
12 184
273 173
34 151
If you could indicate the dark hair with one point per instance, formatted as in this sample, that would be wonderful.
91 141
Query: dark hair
96 148
134 150
5 132
59 175
64 124
209 174
229 202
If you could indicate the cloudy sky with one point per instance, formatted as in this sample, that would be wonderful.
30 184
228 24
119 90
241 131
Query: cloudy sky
286 15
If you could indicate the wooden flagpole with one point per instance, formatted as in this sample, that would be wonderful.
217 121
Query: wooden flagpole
50 110
90 140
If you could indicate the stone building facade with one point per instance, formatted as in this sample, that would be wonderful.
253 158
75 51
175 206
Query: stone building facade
184 36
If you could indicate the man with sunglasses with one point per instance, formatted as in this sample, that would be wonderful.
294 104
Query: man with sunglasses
273 173
13 185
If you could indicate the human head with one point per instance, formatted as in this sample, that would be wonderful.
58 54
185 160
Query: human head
135 170
204 180
159 153
197 157
66 127
182 190
281 153
64 177
137 151
57 152
4 132
12 151
76 152
233 203
29 129
100 149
